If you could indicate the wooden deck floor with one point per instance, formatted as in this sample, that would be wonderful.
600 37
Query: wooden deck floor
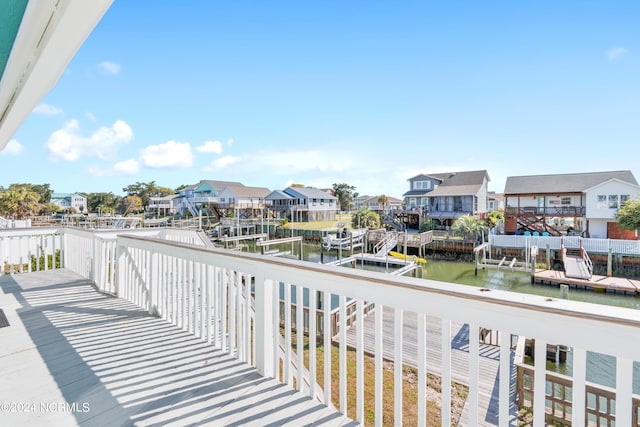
617 284
488 364
73 356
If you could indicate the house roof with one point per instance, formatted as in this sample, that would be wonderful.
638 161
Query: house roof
218 185
278 195
563 183
64 195
452 183
309 193
247 192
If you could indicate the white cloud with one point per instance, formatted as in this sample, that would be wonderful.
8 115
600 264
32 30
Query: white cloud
171 154
90 117
13 148
47 110
67 144
210 147
230 142
290 162
221 163
109 67
616 52
127 167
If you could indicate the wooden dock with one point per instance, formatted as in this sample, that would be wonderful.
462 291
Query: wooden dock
595 282
73 356
488 365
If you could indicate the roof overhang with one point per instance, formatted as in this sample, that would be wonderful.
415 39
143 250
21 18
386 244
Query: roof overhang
49 35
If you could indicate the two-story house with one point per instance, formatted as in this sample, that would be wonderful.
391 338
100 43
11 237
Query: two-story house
446 196
204 194
577 203
65 201
302 204
246 202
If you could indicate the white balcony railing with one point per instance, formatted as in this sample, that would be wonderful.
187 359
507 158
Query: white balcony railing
232 300
602 246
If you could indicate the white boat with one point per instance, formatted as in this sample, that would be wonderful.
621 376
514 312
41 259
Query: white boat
344 239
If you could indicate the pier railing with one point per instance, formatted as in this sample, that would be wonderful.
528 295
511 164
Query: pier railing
601 246
208 291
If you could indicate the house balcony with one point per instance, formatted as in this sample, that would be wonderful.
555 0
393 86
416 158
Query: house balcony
570 211
156 327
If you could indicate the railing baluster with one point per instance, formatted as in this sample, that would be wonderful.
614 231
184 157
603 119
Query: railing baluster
342 328
288 375
446 372
579 387
379 379
313 370
539 380
360 361
327 347
300 337
422 368
397 367
505 375
474 360
624 389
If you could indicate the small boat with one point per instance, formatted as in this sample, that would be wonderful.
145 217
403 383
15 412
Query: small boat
408 257
343 239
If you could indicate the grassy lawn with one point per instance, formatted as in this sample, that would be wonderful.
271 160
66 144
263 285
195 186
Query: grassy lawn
342 220
409 389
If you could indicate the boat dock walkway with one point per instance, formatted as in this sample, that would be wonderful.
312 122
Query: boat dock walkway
595 282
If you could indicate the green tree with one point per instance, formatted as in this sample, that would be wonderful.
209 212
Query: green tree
468 226
103 202
131 204
383 200
19 201
494 217
628 216
428 224
345 194
147 190
365 218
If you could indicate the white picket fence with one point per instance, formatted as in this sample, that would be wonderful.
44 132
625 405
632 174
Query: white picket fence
601 246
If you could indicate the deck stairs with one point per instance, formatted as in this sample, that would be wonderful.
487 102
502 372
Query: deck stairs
191 207
537 224
389 242
577 264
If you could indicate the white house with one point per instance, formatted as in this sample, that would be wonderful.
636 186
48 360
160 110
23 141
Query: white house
70 200
576 203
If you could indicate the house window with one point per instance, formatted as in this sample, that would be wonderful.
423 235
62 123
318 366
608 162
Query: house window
624 198
613 201
602 201
412 202
422 185
565 201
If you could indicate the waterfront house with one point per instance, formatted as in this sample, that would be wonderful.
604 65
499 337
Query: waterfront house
162 206
66 201
575 204
205 194
373 202
495 202
446 196
246 202
302 204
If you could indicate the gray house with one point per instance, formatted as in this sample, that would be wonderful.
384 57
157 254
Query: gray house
446 196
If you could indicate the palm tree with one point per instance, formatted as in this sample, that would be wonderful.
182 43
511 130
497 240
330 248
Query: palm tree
383 200
468 226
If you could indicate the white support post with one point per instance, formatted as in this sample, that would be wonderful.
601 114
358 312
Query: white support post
264 338
505 373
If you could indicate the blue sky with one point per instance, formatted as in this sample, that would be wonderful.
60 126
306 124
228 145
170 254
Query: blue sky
363 92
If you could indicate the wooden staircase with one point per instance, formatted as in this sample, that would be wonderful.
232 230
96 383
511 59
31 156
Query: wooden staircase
534 223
